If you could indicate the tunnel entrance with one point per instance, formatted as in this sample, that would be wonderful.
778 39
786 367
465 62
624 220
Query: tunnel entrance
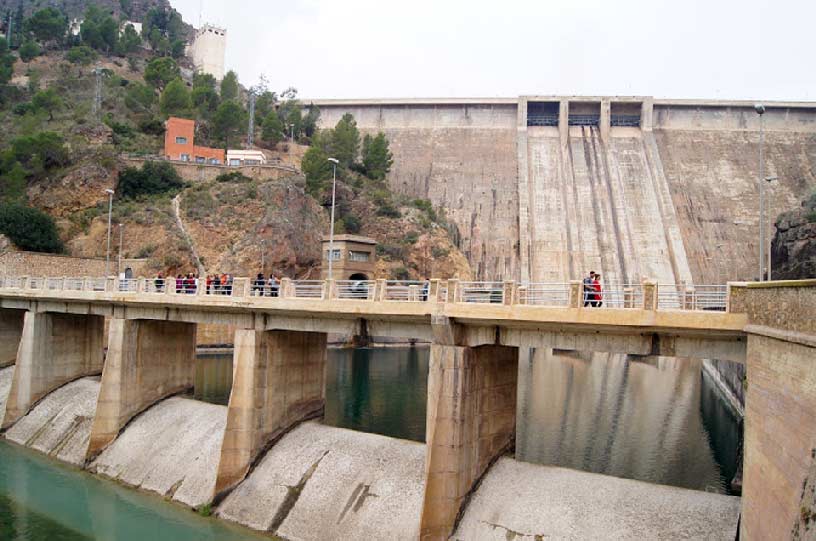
625 114
358 276
542 113
584 113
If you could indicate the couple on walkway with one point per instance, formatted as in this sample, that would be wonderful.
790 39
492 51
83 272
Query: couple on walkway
592 290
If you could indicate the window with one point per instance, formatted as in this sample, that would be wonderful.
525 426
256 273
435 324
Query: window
181 140
215 161
358 256
235 162
252 162
200 159
335 255
185 157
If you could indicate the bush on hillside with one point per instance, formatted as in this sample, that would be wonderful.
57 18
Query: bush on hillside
29 228
152 178
40 152
235 176
82 55
152 126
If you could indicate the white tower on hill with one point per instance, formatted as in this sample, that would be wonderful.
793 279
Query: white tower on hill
208 49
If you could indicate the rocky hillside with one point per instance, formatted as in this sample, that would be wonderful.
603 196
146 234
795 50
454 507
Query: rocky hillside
793 251
133 10
62 155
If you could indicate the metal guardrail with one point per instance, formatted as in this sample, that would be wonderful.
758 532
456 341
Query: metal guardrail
625 120
542 120
543 294
584 120
620 296
484 292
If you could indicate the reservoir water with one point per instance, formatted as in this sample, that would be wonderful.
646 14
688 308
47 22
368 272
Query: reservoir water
652 419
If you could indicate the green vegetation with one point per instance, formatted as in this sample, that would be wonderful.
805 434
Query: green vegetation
235 176
161 71
163 29
47 25
377 159
152 178
7 61
99 30
29 228
175 100
81 54
29 50
48 101
345 140
229 86
229 121
272 129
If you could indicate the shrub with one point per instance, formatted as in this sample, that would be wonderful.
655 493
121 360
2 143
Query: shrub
411 237
82 55
351 223
235 176
146 251
426 206
393 251
39 152
438 252
22 108
29 50
29 228
152 178
401 273
152 126
388 210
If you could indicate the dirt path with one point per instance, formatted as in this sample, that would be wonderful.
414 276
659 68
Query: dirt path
180 222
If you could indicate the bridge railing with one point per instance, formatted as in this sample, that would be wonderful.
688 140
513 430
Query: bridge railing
543 294
628 296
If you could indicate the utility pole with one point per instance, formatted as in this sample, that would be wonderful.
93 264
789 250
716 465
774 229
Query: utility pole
251 134
760 109
121 238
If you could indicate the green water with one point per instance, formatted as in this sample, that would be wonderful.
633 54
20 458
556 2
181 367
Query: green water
41 499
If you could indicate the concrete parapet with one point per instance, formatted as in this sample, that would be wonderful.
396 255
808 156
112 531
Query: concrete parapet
279 381
54 350
147 361
471 421
11 329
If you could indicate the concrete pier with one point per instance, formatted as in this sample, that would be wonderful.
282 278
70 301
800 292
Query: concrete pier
278 381
471 421
11 329
147 361
54 350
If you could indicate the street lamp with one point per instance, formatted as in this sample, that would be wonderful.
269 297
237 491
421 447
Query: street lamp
334 162
110 212
770 222
263 254
760 110
121 238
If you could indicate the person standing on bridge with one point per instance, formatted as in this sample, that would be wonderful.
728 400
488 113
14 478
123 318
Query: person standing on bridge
598 294
589 289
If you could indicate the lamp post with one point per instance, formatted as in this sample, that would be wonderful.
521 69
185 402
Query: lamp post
760 110
110 212
770 222
263 254
334 163
121 238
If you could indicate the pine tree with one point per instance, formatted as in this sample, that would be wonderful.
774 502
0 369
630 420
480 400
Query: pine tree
377 158
346 141
175 100
229 86
272 129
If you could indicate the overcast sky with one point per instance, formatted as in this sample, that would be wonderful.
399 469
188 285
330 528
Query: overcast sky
459 48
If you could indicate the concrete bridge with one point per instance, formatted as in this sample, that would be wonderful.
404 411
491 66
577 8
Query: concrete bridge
55 330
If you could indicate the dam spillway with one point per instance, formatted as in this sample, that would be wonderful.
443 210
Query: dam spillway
545 188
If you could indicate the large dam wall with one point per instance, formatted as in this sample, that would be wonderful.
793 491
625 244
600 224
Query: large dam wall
547 188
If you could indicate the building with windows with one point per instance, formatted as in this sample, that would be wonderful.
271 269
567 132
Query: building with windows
179 144
238 158
353 258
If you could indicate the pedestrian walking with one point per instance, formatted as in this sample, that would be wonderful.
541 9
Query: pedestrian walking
588 285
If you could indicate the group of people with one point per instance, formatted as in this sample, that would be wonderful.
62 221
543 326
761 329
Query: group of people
593 295
265 287
215 284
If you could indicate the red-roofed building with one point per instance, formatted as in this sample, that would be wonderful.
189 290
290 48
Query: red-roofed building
179 144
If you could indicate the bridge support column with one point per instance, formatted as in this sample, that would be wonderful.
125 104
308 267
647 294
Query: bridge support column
54 350
11 329
147 361
471 421
278 381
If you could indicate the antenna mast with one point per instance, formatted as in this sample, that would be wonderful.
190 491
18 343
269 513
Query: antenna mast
251 134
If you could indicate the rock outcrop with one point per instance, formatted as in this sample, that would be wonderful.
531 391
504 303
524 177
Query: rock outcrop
793 251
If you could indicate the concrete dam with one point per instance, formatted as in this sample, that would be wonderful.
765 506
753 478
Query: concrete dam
547 188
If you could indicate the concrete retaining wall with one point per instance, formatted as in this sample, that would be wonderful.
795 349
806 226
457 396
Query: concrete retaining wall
192 172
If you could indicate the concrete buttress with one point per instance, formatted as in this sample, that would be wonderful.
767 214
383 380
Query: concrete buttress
278 381
54 350
471 421
147 361
11 329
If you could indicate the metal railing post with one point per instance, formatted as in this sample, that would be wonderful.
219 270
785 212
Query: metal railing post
380 295
628 297
329 289
141 285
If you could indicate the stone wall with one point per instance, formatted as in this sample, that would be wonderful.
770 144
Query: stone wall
789 305
40 264
196 172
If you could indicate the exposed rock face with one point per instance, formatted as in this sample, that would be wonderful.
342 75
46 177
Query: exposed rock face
793 251
5 244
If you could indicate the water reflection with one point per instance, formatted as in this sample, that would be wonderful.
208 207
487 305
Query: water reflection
654 419
213 378
607 413
379 390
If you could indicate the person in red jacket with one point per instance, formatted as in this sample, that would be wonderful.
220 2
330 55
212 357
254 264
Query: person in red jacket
598 295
